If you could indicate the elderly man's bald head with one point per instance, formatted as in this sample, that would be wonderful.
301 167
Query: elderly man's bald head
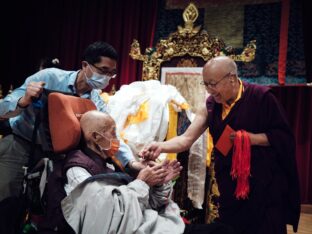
95 121
221 80
220 64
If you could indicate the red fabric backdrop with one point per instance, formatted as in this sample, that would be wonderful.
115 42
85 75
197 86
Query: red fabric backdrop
297 101
64 28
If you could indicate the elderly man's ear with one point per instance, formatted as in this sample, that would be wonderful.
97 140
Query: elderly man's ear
95 136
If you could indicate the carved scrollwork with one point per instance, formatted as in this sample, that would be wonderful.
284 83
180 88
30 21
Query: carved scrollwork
187 40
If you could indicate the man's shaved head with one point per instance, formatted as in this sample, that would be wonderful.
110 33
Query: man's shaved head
221 80
95 121
220 63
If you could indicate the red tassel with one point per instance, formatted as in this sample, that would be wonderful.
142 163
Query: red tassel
185 220
241 164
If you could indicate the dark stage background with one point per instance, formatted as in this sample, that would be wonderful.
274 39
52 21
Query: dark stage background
63 28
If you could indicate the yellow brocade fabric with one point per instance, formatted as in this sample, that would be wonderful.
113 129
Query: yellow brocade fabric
209 149
227 108
173 125
172 129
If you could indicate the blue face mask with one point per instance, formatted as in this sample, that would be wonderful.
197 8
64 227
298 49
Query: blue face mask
97 81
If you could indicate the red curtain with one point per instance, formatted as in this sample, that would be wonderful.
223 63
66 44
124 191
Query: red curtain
307 36
63 28
283 43
297 102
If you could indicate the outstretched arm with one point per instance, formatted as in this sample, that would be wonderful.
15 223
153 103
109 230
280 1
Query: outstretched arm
179 143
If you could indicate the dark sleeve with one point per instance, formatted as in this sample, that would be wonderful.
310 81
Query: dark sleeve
283 143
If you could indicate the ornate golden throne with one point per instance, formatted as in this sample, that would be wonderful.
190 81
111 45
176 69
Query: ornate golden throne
190 47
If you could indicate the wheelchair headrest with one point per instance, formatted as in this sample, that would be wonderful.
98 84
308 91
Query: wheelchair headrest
64 115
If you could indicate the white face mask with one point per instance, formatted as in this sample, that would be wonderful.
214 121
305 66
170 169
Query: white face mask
97 81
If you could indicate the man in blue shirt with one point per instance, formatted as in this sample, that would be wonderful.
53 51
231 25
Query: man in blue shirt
98 67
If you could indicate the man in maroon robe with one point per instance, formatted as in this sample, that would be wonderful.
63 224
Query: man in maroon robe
273 199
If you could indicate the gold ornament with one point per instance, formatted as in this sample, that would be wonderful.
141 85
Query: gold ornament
187 40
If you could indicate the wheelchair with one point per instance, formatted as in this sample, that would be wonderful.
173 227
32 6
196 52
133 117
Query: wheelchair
57 125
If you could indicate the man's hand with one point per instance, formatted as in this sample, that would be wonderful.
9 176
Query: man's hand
151 151
138 165
173 169
255 138
232 136
153 175
33 90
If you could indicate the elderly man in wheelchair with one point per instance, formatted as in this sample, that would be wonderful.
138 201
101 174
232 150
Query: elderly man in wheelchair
112 202
90 192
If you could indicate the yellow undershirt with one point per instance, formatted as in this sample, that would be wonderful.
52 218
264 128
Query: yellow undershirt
227 108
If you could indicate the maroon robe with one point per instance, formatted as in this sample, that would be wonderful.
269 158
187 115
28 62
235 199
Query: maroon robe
274 198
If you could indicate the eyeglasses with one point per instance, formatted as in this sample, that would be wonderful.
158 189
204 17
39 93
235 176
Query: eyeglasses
104 71
214 85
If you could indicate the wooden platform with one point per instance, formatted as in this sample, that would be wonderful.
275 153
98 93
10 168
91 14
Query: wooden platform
305 223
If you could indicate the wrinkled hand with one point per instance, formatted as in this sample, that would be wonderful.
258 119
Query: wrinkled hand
138 165
151 151
153 175
33 90
173 169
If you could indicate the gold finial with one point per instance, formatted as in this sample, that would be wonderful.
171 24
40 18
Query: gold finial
190 15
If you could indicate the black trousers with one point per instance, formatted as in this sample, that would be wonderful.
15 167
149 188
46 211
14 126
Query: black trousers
5 128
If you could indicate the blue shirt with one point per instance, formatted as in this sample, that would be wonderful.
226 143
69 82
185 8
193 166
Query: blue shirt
22 119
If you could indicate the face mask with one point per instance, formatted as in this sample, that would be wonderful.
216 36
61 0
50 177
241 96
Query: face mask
113 147
97 81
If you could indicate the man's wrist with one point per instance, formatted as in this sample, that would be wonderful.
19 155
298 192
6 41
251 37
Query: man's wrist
21 104
130 164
